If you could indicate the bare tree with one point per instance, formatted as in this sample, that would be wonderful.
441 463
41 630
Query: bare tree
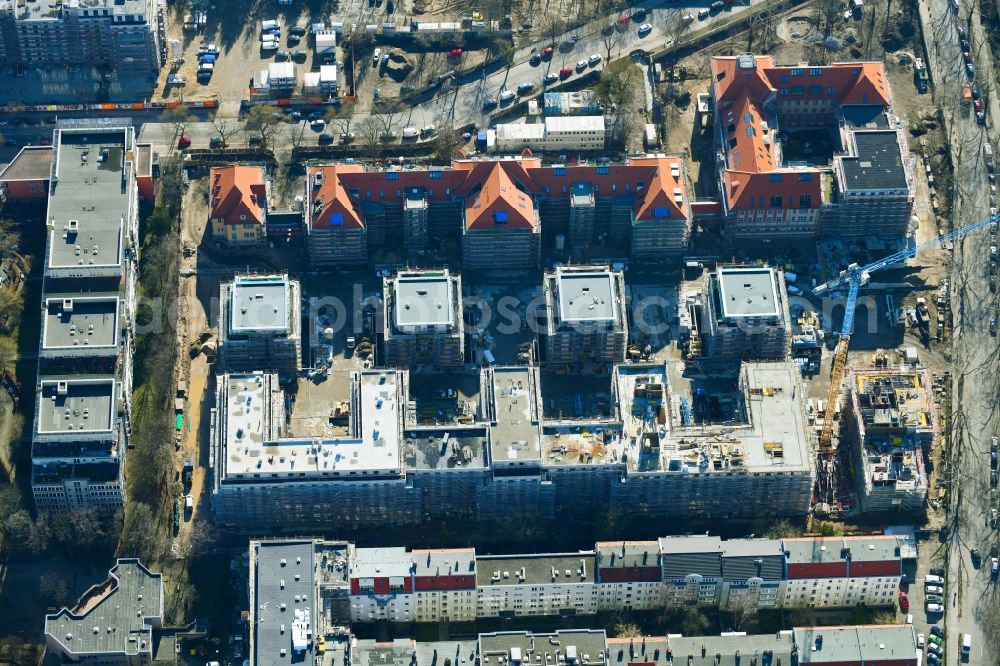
827 15
761 29
744 609
266 121
612 37
226 129
446 144
180 117
298 131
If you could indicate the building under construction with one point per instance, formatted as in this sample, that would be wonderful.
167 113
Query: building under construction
890 422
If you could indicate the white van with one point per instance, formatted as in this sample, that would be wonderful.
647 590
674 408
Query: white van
268 25
933 580
427 130
410 132
506 96
987 149
703 14
966 646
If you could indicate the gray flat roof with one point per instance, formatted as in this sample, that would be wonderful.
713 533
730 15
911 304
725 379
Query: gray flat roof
537 569
423 299
32 163
873 548
865 115
584 646
627 554
860 644
878 164
407 652
442 561
76 405
733 650
260 304
748 292
111 618
90 190
76 321
389 561
284 587
516 435
587 296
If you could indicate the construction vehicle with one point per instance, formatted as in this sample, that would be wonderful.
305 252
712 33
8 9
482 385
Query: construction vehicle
966 95
920 78
854 277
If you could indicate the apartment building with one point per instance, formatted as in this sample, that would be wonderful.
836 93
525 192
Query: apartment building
553 134
423 324
391 583
773 183
260 324
586 316
891 419
81 422
838 572
745 314
878 645
114 622
238 205
505 459
127 35
498 210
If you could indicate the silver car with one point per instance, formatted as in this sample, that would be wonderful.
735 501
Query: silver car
934 589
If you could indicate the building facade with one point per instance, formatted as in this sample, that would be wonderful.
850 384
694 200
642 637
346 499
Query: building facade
746 314
127 35
260 324
772 181
238 205
586 317
82 415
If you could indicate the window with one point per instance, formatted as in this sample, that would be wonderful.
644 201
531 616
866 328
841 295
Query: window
796 72
750 200
392 175
831 91
805 177
500 217
762 202
776 177
436 174
750 132
815 71
815 90
776 202
337 219
603 171
661 212
747 118
784 91
559 171
797 90
805 201
783 78
864 99
731 129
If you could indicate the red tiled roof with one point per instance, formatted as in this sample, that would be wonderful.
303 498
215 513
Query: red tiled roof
499 203
664 190
238 194
330 205
744 86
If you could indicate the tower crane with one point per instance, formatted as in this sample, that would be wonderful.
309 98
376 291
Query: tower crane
854 277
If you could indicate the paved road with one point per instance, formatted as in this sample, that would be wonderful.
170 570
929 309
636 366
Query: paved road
976 375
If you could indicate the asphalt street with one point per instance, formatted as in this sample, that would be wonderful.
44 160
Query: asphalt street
969 590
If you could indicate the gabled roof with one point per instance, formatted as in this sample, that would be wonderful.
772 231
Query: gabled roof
741 76
852 82
238 194
664 195
330 205
498 202
741 186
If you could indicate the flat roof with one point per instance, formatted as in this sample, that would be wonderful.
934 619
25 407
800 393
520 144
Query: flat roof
580 646
260 304
535 569
814 550
517 433
113 617
865 115
733 650
284 599
252 449
423 299
71 405
89 200
387 562
878 164
574 123
78 322
407 652
452 446
587 296
748 292
31 163
520 131
856 644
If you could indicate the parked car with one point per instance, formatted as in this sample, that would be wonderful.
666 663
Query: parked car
318 124
524 86
546 52
565 72
455 53
967 57
489 104
645 29
298 32
299 56
921 641
326 137
506 96
977 559
281 55
375 56
934 589
935 608
970 70
717 6
937 571
904 602
535 60
315 115
594 59
933 660
932 579
981 118
551 77
994 566
937 631
934 638
293 40
933 599
935 650
581 65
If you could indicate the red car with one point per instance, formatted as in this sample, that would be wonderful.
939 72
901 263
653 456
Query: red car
565 72
183 142
978 104
967 57
455 53
546 52
624 18
904 602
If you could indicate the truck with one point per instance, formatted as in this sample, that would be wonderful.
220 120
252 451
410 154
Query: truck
920 77
966 95
966 646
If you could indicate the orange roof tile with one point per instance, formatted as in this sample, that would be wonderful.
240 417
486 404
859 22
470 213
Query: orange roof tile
330 205
499 203
238 194
664 192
